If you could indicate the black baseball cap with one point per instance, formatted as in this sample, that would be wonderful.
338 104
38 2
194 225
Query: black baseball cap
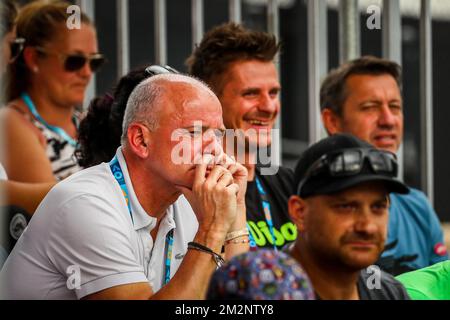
325 183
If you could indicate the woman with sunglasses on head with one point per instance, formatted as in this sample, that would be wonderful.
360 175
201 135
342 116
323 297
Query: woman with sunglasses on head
100 130
47 82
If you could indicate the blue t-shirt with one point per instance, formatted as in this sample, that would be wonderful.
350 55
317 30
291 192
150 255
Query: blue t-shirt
415 238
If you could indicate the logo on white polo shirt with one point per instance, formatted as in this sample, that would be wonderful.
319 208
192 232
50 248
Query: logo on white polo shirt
74 279
17 225
179 256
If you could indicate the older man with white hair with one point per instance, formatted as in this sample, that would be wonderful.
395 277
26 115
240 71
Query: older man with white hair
124 230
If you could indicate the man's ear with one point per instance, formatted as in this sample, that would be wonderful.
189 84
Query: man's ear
138 136
331 121
297 210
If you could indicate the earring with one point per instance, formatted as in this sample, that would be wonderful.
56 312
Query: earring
35 69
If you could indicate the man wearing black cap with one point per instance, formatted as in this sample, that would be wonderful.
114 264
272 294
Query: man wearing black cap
341 211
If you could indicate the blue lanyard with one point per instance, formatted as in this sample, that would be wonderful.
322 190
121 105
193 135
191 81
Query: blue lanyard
169 247
118 175
267 214
29 103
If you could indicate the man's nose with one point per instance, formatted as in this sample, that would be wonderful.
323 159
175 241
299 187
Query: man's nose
387 118
268 103
213 145
364 223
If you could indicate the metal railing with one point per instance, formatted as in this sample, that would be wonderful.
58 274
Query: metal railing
123 36
349 48
391 47
88 6
317 62
426 100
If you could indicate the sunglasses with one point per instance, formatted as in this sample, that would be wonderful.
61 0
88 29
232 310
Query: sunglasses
155 69
76 61
16 47
350 162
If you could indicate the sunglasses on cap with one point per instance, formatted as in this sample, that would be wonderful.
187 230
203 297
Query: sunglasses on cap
155 69
76 61
16 47
350 162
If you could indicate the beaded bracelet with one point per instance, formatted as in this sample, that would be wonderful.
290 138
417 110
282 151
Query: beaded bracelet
237 241
236 234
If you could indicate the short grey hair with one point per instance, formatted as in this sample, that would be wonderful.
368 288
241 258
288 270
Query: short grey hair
140 106
148 95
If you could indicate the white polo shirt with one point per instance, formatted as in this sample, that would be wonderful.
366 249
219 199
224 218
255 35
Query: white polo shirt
82 240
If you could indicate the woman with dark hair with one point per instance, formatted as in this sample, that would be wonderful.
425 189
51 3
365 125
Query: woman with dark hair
46 84
100 131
